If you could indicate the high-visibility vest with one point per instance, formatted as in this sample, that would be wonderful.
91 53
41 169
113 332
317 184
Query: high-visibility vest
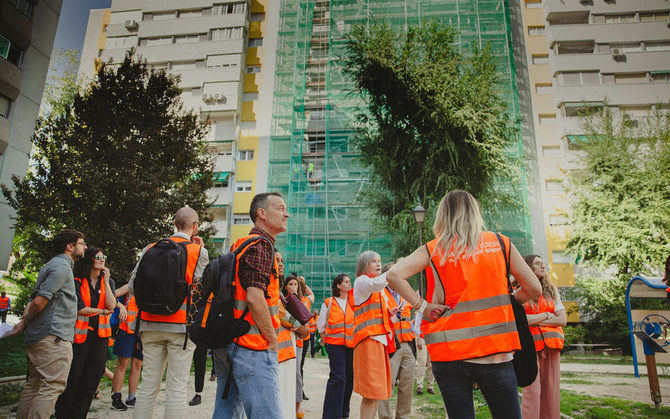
340 325
306 301
481 321
192 256
285 347
370 318
81 327
403 328
4 303
130 324
311 325
549 336
254 339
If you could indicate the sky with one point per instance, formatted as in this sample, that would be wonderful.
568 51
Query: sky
72 22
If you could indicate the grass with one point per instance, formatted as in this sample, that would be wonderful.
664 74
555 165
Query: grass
601 359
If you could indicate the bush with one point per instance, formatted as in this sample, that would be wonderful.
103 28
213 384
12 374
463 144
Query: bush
574 334
13 360
26 282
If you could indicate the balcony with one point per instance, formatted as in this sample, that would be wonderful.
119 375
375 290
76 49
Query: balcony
634 62
159 28
224 164
221 229
220 196
553 8
609 33
615 94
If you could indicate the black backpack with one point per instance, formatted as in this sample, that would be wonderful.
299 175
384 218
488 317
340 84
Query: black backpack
211 322
160 285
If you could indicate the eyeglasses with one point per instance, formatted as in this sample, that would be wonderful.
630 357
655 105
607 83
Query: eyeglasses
80 242
101 257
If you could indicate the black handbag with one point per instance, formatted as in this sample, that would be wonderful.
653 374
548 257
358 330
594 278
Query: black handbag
525 360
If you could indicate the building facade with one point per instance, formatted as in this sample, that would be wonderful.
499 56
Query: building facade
219 50
588 53
27 31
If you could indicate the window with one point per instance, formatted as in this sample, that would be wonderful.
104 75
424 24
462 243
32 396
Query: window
575 47
558 219
243 187
660 77
620 18
186 39
190 13
24 6
536 30
253 69
164 15
228 9
540 59
159 41
624 48
257 17
11 52
657 46
221 61
547 118
653 16
245 155
241 219
221 183
635 111
5 104
256 42
121 42
544 88
551 151
631 78
579 78
534 4
225 34
577 109
560 256
553 185
119 18
185 65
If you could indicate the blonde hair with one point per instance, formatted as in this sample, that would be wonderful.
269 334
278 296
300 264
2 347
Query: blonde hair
363 260
458 223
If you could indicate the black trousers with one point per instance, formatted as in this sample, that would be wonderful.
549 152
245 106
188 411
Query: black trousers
88 366
3 315
200 365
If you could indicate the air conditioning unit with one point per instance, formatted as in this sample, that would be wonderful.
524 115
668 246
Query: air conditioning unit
618 55
667 22
131 24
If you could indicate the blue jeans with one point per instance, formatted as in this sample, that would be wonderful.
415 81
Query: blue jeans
496 381
340 382
254 386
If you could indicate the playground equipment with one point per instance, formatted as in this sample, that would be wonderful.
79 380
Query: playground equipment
652 328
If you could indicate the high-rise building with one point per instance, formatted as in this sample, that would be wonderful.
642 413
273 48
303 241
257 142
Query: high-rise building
226 64
588 53
313 161
27 31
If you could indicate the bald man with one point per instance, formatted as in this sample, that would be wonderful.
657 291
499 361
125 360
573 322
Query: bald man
163 337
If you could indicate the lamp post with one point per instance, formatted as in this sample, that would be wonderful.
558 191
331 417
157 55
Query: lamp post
419 217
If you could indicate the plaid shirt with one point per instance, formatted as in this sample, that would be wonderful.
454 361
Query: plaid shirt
257 263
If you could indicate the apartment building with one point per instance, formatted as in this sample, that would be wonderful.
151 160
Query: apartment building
27 31
588 53
219 48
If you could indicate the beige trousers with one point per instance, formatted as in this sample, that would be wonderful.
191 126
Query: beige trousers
48 367
402 368
161 349
423 364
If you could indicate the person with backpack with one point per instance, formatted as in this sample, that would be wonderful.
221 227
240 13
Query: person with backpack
161 283
247 377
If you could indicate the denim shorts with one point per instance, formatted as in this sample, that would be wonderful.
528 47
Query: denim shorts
128 345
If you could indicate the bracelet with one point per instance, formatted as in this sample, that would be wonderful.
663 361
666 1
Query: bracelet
418 298
423 306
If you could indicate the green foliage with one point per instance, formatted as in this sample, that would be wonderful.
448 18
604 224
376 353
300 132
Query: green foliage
574 334
620 212
10 393
579 405
13 361
434 122
115 160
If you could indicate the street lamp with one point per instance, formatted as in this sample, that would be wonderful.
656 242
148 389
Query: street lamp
419 217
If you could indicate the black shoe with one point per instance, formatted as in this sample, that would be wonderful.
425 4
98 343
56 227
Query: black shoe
212 377
131 402
196 400
117 404
430 391
304 397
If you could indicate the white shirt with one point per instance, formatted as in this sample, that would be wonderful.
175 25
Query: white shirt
364 286
322 321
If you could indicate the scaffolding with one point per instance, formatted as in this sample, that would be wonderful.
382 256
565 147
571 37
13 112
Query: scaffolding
313 162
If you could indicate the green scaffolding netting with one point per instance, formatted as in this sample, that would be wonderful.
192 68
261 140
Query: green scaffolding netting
312 158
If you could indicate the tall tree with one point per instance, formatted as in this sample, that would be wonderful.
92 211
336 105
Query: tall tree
114 159
433 122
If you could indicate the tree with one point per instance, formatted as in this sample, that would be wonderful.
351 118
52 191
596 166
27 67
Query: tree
115 160
433 122
620 213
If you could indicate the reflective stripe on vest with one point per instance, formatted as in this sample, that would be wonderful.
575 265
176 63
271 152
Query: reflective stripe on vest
481 322
285 347
370 318
311 325
192 256
131 320
254 339
549 336
340 325
403 327
81 326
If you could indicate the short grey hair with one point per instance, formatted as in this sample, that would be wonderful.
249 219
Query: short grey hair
363 260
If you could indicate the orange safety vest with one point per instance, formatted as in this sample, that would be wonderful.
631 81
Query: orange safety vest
403 328
311 325
305 300
192 256
370 318
131 320
340 325
81 327
481 321
549 336
4 303
254 339
285 347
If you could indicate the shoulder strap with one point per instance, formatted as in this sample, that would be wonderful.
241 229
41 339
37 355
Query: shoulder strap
249 241
507 256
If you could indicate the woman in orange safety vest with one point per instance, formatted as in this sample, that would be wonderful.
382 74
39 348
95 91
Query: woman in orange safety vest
96 301
546 315
336 326
469 325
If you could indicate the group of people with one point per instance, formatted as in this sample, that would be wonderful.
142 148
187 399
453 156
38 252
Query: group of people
373 329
